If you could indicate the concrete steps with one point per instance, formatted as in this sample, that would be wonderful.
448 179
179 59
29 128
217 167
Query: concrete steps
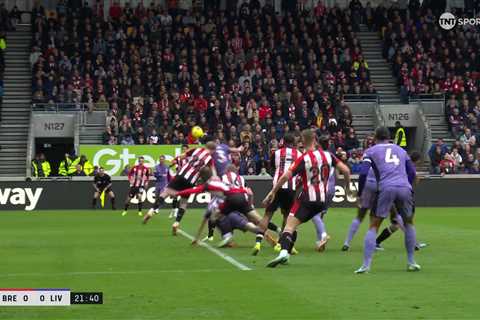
380 71
15 117
364 125
92 134
439 128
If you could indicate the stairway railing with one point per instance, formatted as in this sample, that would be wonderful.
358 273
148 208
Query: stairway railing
361 97
427 97
427 131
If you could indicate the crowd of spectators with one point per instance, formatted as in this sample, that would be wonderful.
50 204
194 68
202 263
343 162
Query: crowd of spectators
462 157
245 76
428 60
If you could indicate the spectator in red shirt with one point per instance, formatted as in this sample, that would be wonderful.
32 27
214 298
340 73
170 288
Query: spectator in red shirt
265 110
200 104
115 10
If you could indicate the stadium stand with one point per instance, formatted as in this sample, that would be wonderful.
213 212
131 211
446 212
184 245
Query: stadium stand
430 61
245 78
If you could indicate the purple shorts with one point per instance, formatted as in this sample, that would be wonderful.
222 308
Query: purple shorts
231 222
369 194
401 197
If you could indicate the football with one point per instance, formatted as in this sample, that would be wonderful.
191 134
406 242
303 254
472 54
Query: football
197 132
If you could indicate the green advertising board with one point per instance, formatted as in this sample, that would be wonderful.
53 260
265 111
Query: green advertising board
115 158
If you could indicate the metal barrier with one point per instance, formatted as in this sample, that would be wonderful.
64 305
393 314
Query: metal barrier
427 97
86 116
59 107
362 97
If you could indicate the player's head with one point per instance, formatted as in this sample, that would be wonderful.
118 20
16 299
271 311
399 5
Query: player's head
184 148
382 134
141 160
161 159
324 142
289 140
398 124
211 146
308 137
415 156
232 168
205 174
101 171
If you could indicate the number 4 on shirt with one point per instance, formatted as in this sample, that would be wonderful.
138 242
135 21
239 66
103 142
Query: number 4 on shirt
391 158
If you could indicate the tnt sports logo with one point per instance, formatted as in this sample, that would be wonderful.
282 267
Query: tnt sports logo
447 21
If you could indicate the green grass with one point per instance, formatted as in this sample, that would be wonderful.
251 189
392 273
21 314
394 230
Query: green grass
145 273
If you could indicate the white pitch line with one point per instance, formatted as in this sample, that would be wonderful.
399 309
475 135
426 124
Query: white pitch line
219 253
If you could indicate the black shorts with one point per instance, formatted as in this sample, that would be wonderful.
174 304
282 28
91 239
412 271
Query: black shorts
306 210
132 193
236 202
107 190
179 183
284 200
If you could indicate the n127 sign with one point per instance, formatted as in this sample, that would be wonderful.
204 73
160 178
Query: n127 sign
54 126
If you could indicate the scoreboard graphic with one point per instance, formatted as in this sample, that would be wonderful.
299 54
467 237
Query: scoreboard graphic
46 297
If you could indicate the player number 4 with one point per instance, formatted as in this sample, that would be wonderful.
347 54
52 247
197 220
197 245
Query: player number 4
391 158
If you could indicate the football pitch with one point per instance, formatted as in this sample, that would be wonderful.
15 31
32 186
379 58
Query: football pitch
146 273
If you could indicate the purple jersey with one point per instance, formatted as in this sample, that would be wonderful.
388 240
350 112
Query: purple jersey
162 174
221 158
389 165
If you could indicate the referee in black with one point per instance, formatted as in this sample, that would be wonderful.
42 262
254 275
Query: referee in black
102 183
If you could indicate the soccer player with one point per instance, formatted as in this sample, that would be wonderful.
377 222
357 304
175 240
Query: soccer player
394 173
102 183
314 168
397 221
162 175
221 161
235 201
138 178
185 178
230 178
178 162
282 159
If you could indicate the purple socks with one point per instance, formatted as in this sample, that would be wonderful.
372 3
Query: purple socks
369 248
410 241
319 226
353 229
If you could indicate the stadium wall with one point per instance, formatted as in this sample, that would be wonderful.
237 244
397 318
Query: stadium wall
76 194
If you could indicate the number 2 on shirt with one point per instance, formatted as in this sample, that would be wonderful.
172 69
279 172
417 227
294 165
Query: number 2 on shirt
391 158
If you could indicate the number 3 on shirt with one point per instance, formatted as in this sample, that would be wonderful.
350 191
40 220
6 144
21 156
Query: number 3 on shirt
391 158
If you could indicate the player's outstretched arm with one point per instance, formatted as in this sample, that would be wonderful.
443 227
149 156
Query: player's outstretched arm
236 150
189 191
345 171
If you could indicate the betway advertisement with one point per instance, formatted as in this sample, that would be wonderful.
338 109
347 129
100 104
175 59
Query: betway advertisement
115 158
52 195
